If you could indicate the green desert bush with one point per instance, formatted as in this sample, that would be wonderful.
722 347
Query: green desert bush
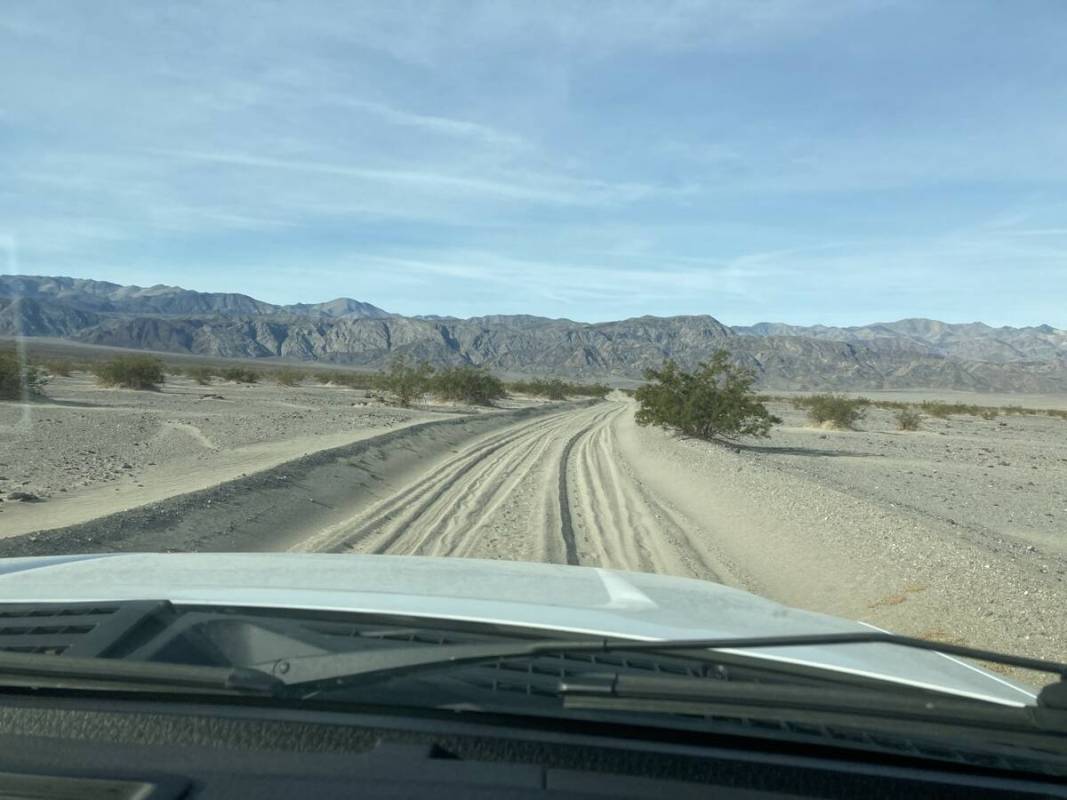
406 382
715 401
357 380
131 372
239 375
890 405
597 390
202 375
288 377
60 367
467 385
908 419
835 409
20 380
550 388
937 409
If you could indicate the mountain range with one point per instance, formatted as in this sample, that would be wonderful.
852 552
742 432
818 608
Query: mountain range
911 353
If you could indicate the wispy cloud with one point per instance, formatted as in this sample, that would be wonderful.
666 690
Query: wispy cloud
552 189
442 126
787 159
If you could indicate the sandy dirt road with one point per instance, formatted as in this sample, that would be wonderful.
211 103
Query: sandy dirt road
915 533
590 487
550 489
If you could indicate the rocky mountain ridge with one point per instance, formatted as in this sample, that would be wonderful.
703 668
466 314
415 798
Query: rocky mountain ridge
906 354
974 340
84 294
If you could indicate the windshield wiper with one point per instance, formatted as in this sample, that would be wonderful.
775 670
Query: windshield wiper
312 673
46 671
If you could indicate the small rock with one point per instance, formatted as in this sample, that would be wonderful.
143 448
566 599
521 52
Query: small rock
25 497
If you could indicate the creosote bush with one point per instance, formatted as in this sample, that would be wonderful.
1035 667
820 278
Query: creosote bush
406 382
350 379
131 372
18 379
202 375
467 385
833 409
715 401
556 389
288 377
239 375
60 367
908 420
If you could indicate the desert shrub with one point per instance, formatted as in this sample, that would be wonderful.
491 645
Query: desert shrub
935 409
1014 410
834 409
597 390
944 410
131 372
908 419
467 385
288 377
715 401
239 375
890 405
202 375
351 379
551 388
19 380
60 367
405 382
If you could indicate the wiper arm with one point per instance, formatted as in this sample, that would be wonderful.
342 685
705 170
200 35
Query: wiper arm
340 669
674 695
110 674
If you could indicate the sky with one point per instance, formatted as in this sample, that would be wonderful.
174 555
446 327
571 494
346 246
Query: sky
836 162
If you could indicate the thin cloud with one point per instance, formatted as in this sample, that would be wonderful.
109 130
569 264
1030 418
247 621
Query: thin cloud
444 126
540 189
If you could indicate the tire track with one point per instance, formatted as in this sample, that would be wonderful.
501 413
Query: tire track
566 519
396 514
566 524
554 489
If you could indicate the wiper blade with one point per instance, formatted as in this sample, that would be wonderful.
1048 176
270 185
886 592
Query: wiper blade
340 669
41 671
669 694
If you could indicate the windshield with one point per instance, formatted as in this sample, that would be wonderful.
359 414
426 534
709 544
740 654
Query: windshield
767 298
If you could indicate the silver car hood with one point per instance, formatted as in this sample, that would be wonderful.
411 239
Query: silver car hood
547 597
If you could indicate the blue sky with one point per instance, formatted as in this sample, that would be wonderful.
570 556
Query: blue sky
823 161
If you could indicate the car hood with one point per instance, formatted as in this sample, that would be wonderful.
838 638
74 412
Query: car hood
547 597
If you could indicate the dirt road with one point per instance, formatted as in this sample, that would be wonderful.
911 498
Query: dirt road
859 524
549 489
590 487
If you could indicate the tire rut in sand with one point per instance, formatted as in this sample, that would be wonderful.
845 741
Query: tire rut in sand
618 523
566 524
558 489
443 512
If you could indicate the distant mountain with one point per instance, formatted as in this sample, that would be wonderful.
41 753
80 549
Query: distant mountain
905 354
104 297
341 308
974 340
